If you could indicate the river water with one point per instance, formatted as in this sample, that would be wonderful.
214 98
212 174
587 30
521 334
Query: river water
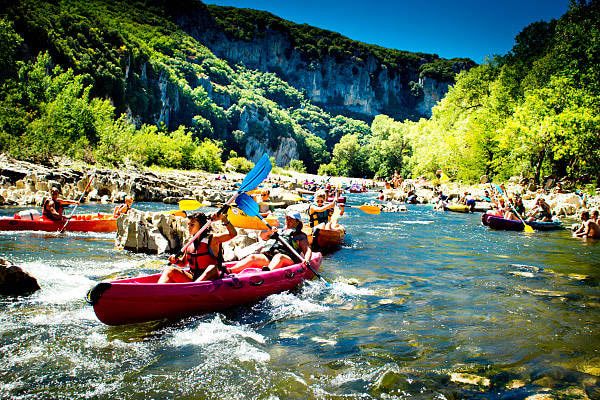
423 305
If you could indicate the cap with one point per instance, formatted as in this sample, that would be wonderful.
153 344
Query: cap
294 215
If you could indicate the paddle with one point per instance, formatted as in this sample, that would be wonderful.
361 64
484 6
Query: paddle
368 209
527 228
249 206
77 205
251 181
190 205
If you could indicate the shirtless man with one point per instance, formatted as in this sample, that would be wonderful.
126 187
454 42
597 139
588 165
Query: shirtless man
589 228
53 207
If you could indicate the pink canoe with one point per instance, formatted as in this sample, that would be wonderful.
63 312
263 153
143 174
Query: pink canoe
141 299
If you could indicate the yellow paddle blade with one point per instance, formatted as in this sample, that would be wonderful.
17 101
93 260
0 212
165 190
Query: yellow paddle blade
177 213
189 205
369 209
528 229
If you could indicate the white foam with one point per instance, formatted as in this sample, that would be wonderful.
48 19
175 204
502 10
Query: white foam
417 222
233 339
214 331
323 341
285 305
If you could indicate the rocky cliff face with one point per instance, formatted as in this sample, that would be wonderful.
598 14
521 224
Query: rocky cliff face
350 86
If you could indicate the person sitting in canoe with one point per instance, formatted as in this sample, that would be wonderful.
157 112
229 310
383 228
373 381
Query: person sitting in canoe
517 205
262 200
588 228
541 211
53 207
499 208
204 256
274 254
123 208
595 215
320 212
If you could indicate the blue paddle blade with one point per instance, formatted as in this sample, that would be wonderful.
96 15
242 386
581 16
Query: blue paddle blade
257 174
498 188
247 205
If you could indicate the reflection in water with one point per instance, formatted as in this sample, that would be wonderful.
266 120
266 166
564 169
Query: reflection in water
423 305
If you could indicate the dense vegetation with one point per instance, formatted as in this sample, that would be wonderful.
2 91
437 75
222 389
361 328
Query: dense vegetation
116 83
533 111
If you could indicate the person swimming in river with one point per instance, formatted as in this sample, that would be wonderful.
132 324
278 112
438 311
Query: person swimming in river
204 256
588 228
274 254
53 207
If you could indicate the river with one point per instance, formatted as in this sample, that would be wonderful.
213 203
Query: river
423 305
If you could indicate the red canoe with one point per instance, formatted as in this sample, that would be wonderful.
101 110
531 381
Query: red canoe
141 299
78 223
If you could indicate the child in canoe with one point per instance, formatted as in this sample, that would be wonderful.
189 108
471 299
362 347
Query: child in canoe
204 257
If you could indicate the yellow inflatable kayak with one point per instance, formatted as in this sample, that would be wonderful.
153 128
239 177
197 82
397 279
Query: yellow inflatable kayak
458 208
240 220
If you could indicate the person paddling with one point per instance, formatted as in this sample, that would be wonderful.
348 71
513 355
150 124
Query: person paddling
274 254
320 212
53 207
204 256
541 211
265 210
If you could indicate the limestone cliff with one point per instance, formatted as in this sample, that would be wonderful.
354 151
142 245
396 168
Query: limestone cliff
358 82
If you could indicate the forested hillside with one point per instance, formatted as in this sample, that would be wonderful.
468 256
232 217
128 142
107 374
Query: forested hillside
533 111
119 83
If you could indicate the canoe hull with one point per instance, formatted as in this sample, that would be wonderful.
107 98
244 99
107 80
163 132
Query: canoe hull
458 208
141 299
79 223
326 239
499 223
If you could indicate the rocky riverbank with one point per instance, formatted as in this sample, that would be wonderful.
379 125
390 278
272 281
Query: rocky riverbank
23 183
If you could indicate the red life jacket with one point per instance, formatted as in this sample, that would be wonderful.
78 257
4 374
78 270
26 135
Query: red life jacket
46 213
199 258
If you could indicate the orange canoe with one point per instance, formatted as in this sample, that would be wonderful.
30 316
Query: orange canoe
326 239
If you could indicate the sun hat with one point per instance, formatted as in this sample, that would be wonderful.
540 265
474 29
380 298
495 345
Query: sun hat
294 215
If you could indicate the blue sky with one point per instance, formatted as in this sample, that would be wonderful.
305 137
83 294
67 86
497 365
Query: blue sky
469 28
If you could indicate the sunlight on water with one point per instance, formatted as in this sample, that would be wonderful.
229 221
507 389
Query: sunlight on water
422 305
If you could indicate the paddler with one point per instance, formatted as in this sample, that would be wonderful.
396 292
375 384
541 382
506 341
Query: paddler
275 254
264 208
320 212
53 207
123 208
204 257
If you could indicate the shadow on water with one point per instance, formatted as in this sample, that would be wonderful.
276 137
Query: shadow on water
423 305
